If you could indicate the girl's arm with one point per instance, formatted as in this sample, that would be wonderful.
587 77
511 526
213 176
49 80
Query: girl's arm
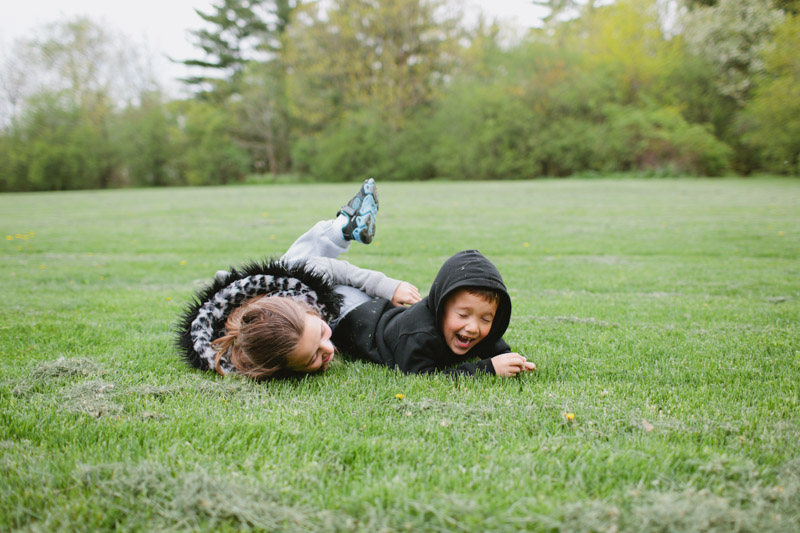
405 294
372 282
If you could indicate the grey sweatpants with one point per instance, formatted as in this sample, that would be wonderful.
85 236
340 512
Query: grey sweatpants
320 248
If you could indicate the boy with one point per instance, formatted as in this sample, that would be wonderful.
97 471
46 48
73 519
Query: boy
464 315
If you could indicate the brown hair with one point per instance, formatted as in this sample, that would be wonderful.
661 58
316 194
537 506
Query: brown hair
488 295
261 334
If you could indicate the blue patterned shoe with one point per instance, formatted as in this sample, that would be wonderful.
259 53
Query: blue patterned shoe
361 213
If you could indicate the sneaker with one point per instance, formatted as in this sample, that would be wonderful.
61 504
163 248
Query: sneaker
361 212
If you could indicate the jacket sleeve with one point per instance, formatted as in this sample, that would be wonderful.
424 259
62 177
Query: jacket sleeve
372 282
484 366
499 347
414 354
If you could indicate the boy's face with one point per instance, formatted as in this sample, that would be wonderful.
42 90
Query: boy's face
467 320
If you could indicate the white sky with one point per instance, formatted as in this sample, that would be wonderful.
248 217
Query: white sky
165 35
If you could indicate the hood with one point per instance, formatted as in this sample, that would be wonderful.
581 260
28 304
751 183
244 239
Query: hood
470 269
203 319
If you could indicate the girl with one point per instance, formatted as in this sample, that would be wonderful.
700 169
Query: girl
274 319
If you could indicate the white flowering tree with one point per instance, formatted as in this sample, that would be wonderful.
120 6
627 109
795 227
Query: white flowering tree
732 37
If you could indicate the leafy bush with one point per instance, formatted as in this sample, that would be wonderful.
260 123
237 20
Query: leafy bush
63 148
771 121
661 140
210 156
483 132
362 144
144 137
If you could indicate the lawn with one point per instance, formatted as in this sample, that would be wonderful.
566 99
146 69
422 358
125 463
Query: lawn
664 317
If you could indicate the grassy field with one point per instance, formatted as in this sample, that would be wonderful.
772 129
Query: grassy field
664 316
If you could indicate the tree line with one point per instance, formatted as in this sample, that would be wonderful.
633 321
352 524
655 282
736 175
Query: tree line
404 89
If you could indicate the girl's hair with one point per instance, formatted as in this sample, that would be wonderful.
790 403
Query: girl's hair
261 334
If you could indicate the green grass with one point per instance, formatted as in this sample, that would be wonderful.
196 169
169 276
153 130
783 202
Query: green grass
665 314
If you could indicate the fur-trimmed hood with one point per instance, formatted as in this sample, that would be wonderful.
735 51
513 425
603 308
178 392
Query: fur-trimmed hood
203 320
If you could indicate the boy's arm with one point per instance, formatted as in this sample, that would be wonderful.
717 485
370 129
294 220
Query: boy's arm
413 354
505 364
472 369
509 365
499 347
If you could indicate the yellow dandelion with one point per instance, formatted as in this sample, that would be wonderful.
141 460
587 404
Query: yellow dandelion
169 298
183 262
41 267
9 237
399 396
780 234
527 245
569 416
265 214
272 237
377 243
547 250
102 278
18 236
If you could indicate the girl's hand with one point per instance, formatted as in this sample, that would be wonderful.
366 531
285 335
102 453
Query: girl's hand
509 365
405 294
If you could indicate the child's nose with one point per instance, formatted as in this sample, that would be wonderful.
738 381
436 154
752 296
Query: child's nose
327 347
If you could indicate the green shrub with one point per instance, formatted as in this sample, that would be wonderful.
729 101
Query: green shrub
210 156
483 132
661 140
362 144
56 146
144 138
771 121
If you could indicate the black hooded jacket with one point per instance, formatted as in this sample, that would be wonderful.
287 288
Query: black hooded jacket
411 339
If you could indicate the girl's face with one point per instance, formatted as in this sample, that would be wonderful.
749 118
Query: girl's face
314 350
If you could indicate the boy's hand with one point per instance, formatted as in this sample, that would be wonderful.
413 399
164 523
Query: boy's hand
405 294
509 365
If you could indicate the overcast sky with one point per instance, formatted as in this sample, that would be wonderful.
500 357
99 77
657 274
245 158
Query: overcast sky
165 35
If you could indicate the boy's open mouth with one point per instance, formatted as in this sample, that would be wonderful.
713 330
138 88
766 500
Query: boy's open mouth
462 341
